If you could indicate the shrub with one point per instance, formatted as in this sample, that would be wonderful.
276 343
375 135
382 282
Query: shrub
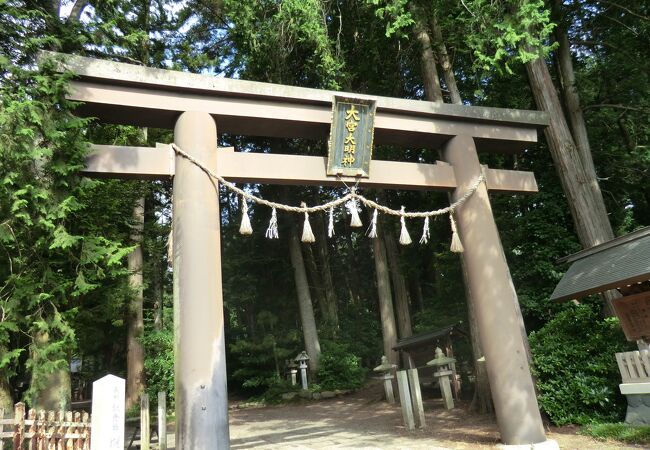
159 364
577 374
277 387
339 369
258 365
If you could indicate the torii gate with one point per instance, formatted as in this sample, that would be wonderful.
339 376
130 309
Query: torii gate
193 104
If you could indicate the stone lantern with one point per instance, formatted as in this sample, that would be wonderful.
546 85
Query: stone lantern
302 359
385 369
443 374
292 371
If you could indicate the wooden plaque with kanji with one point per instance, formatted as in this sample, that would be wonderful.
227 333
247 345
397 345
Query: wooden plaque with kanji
351 137
634 313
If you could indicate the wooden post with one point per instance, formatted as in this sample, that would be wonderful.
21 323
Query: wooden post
68 444
495 303
162 421
405 399
145 438
19 425
33 428
200 351
416 397
61 429
50 429
85 419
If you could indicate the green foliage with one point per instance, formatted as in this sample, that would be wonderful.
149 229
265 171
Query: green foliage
506 31
497 33
637 435
159 363
282 42
577 374
277 387
339 369
258 364
52 261
395 14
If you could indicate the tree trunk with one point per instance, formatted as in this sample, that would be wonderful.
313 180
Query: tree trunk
135 381
386 312
416 292
53 387
399 285
330 307
576 118
353 263
432 90
309 331
578 181
576 121
445 62
575 168
251 321
157 266
314 277
157 293
6 401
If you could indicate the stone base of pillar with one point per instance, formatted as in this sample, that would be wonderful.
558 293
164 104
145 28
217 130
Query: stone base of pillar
546 445
638 409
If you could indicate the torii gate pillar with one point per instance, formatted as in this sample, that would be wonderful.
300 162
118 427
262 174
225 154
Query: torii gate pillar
495 304
200 354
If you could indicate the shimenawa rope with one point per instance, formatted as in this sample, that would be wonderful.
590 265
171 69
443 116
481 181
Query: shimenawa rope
350 199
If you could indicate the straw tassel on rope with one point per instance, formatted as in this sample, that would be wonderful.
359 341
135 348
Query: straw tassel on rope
456 244
272 230
353 207
425 231
373 225
330 225
307 233
404 237
245 227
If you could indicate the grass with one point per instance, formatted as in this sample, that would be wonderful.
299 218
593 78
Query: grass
618 432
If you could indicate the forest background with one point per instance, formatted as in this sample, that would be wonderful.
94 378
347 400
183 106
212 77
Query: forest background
72 282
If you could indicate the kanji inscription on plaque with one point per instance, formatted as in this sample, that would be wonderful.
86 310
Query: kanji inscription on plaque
351 136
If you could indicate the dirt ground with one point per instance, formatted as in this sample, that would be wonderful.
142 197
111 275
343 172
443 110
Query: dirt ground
363 421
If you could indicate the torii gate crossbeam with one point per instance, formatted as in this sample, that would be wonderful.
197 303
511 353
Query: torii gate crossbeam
127 94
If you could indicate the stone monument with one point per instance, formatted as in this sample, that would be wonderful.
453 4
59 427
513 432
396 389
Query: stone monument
107 423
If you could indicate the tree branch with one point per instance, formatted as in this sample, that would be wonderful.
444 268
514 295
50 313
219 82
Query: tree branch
617 106
77 10
628 10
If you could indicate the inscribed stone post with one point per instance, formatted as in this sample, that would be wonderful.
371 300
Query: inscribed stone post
107 424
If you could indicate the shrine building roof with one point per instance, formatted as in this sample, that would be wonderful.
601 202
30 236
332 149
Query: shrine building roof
618 263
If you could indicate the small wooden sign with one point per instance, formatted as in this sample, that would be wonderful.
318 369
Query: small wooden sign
634 313
351 136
